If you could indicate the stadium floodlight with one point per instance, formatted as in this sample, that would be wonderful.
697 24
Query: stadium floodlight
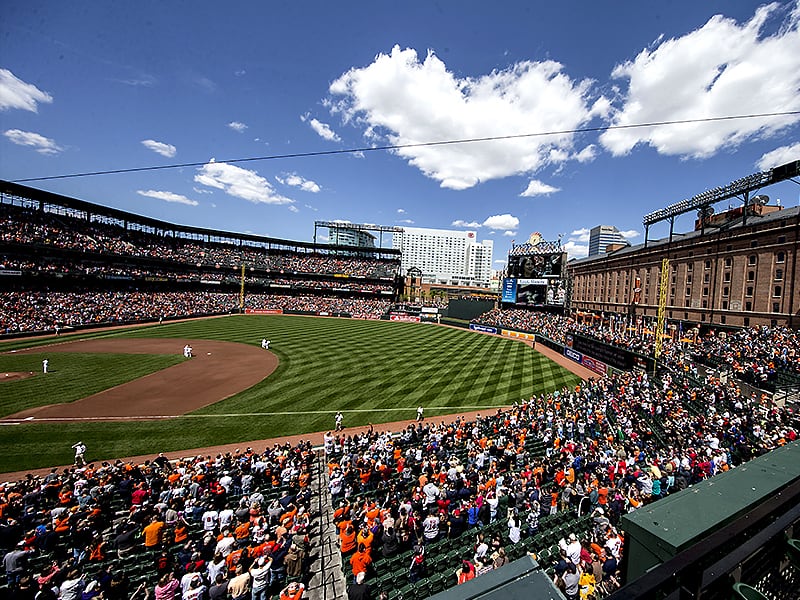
740 186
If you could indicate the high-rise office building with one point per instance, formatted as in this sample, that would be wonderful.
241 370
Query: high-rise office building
351 236
445 257
603 235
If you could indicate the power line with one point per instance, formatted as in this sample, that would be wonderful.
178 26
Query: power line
405 146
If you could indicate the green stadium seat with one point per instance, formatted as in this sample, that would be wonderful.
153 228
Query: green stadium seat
793 551
742 591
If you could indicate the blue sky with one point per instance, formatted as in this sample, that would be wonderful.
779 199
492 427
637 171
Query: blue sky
87 86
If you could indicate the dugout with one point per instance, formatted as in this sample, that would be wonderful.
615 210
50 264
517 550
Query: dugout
730 527
522 579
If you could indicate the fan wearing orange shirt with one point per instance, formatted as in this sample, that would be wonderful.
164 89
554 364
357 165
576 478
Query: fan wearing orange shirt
360 561
347 538
153 533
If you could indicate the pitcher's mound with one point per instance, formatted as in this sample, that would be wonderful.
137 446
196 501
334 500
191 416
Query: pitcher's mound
15 376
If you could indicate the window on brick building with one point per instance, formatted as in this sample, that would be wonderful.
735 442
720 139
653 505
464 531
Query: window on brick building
748 306
728 261
780 257
752 259
705 291
778 274
726 277
726 291
777 291
776 307
749 291
751 276
708 264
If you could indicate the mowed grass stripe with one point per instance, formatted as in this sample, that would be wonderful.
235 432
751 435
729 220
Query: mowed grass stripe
325 365
428 390
482 369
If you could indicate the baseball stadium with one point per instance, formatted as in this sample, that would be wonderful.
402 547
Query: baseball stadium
185 407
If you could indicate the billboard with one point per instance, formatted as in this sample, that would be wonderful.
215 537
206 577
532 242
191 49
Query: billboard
509 295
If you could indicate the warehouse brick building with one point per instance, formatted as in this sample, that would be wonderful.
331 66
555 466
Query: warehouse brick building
730 271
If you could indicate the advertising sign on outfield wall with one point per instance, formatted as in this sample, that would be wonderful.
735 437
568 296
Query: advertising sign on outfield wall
406 318
262 311
594 365
572 354
483 328
531 337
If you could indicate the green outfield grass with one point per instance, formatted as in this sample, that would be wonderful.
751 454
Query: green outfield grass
372 371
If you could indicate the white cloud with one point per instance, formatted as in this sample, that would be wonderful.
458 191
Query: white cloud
509 233
293 208
586 155
237 126
779 156
323 129
36 141
504 221
411 101
239 72
466 224
294 180
576 250
167 197
161 148
629 234
240 183
198 190
406 221
500 261
139 80
577 245
401 211
580 235
720 69
537 188
15 93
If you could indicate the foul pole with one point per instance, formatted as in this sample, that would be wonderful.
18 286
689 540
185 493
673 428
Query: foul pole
662 305
241 292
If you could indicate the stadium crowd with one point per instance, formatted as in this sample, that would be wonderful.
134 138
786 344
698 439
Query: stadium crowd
119 271
608 447
27 227
198 528
43 311
754 354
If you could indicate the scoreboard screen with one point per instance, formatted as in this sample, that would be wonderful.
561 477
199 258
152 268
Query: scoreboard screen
535 266
535 279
